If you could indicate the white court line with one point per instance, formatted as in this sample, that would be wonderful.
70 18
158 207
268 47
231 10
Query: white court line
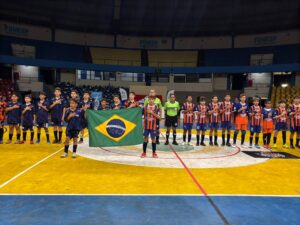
29 168
217 195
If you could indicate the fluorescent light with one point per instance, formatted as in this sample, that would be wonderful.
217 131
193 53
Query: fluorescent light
284 85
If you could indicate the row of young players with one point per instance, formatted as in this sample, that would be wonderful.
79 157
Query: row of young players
226 114
29 114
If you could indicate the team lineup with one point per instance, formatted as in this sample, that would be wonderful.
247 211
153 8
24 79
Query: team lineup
206 115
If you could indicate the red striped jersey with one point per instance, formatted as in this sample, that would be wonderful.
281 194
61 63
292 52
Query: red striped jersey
281 111
227 114
215 109
2 111
188 112
201 113
295 119
149 119
257 115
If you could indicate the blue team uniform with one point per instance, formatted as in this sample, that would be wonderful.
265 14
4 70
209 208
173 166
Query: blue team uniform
90 105
28 117
57 111
42 115
14 116
74 124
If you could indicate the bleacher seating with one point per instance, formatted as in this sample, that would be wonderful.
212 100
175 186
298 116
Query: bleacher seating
107 91
287 93
116 56
6 89
172 58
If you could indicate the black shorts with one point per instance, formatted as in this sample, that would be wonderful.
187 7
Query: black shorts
171 121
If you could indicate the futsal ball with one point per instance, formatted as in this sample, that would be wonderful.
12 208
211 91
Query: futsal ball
115 128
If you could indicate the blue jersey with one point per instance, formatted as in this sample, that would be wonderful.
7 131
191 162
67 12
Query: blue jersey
243 112
28 116
41 113
57 110
113 106
14 116
89 104
75 122
268 114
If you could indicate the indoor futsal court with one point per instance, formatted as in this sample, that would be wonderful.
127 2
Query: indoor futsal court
139 112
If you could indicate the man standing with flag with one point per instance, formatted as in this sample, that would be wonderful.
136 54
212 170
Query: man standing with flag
157 102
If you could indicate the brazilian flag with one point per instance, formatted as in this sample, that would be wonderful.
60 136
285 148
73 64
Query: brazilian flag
115 127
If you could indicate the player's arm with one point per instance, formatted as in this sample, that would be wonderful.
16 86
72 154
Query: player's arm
12 108
53 104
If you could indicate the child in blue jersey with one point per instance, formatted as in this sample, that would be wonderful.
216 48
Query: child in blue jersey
57 107
28 118
13 114
103 105
85 104
73 116
42 112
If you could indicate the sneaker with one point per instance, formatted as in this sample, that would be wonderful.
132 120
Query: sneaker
8 142
292 147
157 142
31 142
174 143
48 142
37 142
223 144
286 146
190 144
80 142
166 143
154 155
257 146
202 144
54 142
274 146
250 146
243 146
233 145
19 142
74 155
59 142
197 144
216 144
65 155
143 155
183 143
211 144
297 146
228 144
1 142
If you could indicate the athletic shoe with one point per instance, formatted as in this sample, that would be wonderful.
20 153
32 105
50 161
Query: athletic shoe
243 146
55 142
265 146
19 142
202 144
157 142
8 142
286 146
183 143
216 144
31 142
143 155
65 155
74 155
233 145
174 143
80 141
297 146
197 144
37 142
59 142
1 142
274 146
189 144
211 144
223 144
292 147
154 155
228 144
250 146
166 143
257 146
48 142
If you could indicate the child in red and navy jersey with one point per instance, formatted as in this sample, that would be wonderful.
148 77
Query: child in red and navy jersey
42 112
255 113
214 120
103 104
151 116
58 107
295 122
13 115
117 104
201 120
28 118
281 123
268 117
241 120
73 116
188 109
85 104
226 118
2 118
131 102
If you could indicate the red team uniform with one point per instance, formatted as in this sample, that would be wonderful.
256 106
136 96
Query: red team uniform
295 119
256 119
281 122
150 120
201 117
188 115
214 117
226 116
